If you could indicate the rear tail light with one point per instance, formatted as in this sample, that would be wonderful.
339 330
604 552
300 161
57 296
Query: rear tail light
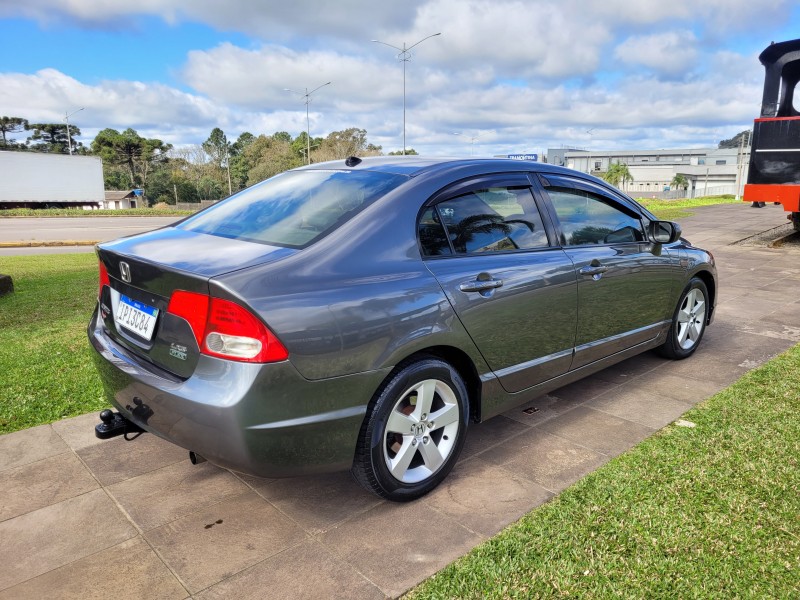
224 329
104 281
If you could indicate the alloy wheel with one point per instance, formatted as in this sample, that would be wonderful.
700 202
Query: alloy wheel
691 318
421 431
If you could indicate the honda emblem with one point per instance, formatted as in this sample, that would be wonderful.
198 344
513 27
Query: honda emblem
125 272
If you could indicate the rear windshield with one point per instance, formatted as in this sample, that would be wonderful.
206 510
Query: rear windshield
293 209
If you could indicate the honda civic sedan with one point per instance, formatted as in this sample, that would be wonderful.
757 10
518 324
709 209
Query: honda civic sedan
365 314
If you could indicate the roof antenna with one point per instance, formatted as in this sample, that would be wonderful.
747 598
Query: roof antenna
352 161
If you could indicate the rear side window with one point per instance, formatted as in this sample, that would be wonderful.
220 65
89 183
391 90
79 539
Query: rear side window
487 220
294 209
588 218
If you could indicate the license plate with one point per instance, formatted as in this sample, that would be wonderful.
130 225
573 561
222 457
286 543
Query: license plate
136 317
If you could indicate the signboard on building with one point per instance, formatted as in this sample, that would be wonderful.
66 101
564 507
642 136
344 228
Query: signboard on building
534 157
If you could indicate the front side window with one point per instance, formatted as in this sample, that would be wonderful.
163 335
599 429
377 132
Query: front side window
588 218
294 209
493 219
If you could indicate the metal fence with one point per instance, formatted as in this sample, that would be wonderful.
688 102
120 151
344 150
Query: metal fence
678 194
195 206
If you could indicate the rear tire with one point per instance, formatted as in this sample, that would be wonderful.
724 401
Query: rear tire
688 322
413 432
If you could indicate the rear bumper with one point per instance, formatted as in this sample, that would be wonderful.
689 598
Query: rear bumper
261 419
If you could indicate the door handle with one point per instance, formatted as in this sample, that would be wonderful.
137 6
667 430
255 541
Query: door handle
480 285
592 270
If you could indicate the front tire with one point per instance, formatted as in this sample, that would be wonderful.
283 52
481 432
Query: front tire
413 432
688 322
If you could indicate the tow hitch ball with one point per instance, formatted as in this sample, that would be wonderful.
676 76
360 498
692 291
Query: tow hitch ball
113 424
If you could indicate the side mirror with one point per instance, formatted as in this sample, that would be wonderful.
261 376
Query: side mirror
663 232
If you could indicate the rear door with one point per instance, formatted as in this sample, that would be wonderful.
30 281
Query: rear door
625 283
488 245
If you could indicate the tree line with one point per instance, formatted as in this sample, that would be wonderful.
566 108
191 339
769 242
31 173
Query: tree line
207 171
44 137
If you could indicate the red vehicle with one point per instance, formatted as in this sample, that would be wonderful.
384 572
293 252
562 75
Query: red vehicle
774 174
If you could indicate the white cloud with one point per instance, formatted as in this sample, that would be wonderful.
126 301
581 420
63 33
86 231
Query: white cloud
640 73
257 78
154 110
269 19
672 53
519 38
726 16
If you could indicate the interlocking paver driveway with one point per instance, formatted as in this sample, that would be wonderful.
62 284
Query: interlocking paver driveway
88 519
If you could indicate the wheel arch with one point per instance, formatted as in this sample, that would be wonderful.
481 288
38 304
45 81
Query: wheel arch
460 361
708 279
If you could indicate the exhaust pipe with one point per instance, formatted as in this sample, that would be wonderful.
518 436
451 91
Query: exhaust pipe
195 458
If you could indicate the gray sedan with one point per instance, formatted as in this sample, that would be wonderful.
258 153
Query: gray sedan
364 314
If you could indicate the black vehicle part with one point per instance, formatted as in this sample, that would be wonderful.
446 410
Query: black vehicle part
195 458
113 424
352 161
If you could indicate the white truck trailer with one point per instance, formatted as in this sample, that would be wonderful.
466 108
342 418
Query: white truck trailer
40 180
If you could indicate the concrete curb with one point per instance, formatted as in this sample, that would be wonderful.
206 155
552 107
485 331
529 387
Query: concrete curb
37 244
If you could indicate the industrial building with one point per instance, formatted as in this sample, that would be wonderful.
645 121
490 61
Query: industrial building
709 171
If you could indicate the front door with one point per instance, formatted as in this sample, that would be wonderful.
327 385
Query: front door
626 285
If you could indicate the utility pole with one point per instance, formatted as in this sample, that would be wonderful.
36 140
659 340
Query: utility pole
307 96
69 135
404 57
228 164
738 166
745 162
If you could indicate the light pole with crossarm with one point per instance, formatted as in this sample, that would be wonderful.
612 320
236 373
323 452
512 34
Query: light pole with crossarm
472 139
307 96
69 136
405 56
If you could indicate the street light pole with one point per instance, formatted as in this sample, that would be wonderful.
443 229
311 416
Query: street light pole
307 96
472 140
228 164
405 56
69 136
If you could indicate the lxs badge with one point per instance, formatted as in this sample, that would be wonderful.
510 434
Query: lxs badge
177 351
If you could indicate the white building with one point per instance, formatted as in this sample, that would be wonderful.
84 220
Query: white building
118 199
709 171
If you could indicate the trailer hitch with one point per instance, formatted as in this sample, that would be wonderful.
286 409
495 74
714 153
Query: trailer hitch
113 424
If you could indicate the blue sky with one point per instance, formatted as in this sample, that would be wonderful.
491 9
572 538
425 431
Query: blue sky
523 75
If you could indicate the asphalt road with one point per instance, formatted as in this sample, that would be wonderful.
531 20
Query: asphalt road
96 229
29 250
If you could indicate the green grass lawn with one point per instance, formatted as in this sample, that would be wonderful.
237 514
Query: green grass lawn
706 512
672 210
46 372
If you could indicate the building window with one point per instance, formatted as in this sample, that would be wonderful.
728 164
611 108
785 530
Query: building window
721 162
597 165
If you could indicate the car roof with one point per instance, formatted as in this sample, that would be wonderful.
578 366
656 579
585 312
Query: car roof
413 166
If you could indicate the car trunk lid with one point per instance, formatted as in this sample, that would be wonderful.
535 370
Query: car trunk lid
143 273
